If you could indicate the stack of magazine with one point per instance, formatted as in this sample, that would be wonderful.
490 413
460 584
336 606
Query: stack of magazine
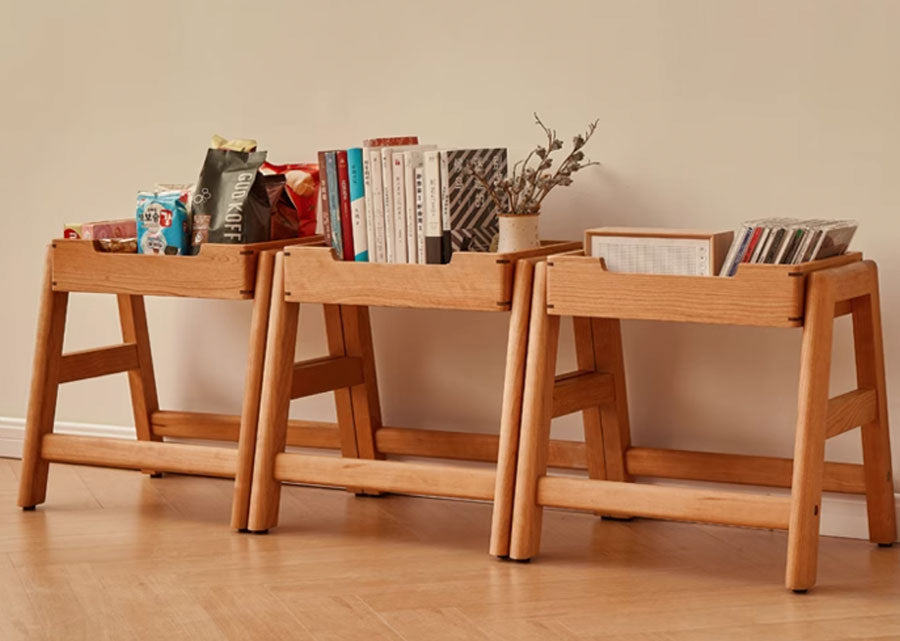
787 241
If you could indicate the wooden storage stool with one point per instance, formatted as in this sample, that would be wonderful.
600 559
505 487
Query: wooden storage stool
471 281
810 296
230 272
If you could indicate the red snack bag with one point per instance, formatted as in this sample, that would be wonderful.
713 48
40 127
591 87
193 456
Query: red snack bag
301 189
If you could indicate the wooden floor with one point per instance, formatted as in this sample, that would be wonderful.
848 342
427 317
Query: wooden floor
117 555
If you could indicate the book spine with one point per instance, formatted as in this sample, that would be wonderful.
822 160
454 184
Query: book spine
420 215
334 202
433 235
367 195
324 212
445 206
357 204
409 182
377 204
399 187
344 195
387 186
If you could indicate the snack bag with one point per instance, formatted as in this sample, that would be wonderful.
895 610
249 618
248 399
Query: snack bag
230 205
301 192
162 223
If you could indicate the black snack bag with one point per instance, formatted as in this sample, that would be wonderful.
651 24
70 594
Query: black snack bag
230 203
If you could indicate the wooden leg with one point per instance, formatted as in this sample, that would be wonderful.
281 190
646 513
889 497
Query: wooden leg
142 382
366 406
514 378
593 434
809 448
44 386
537 406
876 440
265 493
608 356
334 330
259 321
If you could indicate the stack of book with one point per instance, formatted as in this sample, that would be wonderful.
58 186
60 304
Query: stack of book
787 241
394 200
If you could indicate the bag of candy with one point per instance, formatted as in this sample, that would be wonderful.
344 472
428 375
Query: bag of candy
162 223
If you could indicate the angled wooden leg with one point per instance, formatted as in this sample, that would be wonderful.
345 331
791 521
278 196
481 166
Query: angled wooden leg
608 357
44 387
259 321
876 440
593 427
365 402
142 382
809 448
334 331
537 407
265 493
514 379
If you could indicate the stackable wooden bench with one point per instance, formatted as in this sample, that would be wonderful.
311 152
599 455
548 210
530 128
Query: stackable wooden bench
470 281
227 272
809 296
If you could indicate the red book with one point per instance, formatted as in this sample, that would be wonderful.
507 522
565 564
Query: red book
323 193
752 244
344 192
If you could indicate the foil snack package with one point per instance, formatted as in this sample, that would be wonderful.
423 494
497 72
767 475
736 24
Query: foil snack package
162 223
230 205
294 215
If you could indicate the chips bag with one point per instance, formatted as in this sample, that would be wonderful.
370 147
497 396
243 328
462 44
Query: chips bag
294 214
162 223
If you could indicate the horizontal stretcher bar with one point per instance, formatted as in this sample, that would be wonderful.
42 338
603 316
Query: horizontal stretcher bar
387 476
226 427
671 503
100 361
579 390
150 455
850 410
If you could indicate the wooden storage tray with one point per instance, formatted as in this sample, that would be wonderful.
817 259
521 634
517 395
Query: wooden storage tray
471 280
218 271
763 295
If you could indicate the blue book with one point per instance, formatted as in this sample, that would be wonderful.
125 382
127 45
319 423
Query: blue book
334 201
358 203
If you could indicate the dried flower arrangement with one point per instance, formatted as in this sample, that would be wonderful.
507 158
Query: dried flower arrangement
524 191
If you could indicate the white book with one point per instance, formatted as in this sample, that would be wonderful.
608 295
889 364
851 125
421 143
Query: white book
387 191
380 246
412 159
370 214
432 178
399 188
420 214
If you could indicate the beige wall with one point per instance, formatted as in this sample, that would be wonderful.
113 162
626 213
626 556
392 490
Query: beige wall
710 113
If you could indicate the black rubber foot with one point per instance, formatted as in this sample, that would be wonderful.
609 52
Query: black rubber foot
521 560
258 531
881 545
503 557
243 530
156 475
29 508
799 591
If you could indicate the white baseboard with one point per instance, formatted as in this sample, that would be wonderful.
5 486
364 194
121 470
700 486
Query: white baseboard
843 515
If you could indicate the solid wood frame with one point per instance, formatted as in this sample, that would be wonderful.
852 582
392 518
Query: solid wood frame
471 281
810 296
231 272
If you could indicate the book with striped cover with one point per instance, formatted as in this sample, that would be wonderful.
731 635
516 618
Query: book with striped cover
467 208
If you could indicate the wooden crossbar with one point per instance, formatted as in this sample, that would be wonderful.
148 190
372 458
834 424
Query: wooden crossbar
325 375
850 410
91 363
660 502
165 457
388 476
741 469
225 427
576 391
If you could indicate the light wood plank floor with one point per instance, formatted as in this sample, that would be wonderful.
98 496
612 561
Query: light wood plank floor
116 555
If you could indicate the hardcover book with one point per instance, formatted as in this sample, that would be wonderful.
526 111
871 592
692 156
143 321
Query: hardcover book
334 202
432 178
469 211
344 194
357 204
324 212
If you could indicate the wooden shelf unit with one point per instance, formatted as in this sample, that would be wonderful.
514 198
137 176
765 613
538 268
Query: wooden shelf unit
471 281
810 296
229 272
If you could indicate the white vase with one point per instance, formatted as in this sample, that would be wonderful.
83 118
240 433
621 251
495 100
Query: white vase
518 232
